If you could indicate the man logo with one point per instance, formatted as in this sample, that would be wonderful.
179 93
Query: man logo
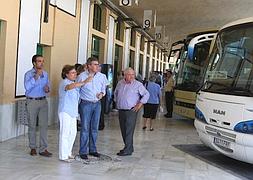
220 112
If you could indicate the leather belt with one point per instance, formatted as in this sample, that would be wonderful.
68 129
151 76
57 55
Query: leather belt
89 101
37 98
126 109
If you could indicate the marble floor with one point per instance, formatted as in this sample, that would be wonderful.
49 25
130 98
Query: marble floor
154 156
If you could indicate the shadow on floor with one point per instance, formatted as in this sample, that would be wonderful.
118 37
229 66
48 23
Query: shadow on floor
204 153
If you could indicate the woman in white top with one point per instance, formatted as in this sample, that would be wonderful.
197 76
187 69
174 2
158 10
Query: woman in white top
68 111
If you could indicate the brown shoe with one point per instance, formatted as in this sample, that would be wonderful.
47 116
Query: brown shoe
33 152
46 153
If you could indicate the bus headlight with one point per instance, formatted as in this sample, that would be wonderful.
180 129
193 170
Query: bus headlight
244 127
199 115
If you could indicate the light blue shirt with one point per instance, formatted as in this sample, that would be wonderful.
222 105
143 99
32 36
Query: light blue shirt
35 88
90 90
68 99
154 92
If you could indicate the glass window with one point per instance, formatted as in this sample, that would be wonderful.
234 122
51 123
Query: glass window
119 31
142 43
95 50
147 67
97 17
131 59
230 68
133 34
140 64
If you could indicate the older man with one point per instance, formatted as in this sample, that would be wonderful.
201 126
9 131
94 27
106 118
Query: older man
129 96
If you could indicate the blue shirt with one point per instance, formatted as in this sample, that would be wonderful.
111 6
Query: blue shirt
68 99
90 90
35 88
154 92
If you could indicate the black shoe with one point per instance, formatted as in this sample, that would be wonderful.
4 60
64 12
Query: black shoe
95 154
144 127
167 116
100 128
151 129
122 153
33 152
45 153
84 156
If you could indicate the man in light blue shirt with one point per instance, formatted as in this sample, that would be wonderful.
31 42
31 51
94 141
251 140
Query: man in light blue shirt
37 86
90 107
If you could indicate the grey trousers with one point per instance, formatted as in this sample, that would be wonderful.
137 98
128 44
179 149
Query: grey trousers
127 121
37 109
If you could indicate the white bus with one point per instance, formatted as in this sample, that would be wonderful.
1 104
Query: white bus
224 106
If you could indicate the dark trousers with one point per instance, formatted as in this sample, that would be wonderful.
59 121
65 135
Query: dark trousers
102 117
127 121
169 103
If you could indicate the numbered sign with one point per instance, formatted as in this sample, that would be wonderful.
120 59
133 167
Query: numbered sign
125 2
147 19
158 32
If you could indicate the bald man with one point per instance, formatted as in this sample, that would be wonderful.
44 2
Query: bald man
129 95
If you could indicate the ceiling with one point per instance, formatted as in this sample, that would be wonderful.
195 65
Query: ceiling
182 17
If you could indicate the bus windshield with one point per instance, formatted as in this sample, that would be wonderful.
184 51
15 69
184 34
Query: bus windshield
231 61
191 72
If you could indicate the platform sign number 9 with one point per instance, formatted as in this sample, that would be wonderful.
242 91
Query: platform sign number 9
125 2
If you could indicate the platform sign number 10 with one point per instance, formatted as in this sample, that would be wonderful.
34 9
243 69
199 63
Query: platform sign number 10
125 2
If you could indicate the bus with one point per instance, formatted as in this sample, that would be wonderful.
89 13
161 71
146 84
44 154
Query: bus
193 62
224 106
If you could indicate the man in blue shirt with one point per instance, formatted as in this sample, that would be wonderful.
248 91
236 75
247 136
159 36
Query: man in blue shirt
90 107
36 84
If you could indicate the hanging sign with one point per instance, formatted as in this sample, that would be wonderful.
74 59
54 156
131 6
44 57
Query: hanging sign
147 19
158 32
125 2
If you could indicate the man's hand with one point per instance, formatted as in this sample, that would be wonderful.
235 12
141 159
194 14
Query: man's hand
38 73
100 95
88 79
46 89
137 107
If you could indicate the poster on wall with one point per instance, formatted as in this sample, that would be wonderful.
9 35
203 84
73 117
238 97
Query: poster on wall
29 29
66 5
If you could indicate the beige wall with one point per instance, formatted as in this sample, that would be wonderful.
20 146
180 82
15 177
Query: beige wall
65 45
9 12
47 29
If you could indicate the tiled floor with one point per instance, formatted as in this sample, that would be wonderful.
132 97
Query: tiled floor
154 156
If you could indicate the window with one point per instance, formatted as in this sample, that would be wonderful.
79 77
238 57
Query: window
119 31
131 59
147 67
148 48
142 43
140 64
154 51
97 17
95 50
133 34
